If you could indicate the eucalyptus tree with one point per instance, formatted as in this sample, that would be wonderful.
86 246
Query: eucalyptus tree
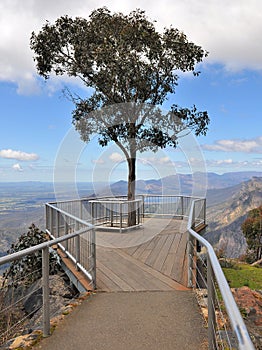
252 230
131 69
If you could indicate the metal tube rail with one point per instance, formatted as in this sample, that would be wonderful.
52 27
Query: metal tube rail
45 268
236 320
18 255
87 273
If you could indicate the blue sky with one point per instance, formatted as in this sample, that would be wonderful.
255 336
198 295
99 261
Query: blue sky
37 140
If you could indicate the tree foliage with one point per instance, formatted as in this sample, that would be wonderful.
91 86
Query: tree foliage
29 268
129 65
252 230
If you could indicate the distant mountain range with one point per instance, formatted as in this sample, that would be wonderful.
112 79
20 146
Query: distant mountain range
225 216
229 197
197 184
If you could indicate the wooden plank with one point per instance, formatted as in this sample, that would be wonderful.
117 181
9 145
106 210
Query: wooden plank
155 274
107 281
126 271
143 280
183 264
131 250
144 255
141 249
114 277
162 254
147 266
177 269
175 244
155 251
168 265
101 286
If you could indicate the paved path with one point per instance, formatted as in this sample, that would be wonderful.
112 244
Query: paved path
166 320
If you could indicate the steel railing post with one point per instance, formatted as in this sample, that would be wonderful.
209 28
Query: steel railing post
111 216
57 224
93 248
46 217
66 233
190 261
121 216
77 245
205 208
45 289
80 209
52 221
211 306
138 212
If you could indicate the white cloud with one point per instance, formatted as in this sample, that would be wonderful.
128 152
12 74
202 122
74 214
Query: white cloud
98 161
229 30
18 155
234 165
245 146
116 157
17 167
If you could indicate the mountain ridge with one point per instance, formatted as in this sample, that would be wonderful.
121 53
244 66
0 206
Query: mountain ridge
225 218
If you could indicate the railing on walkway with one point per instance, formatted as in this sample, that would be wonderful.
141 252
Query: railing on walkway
109 211
81 250
166 205
69 225
215 283
76 237
114 213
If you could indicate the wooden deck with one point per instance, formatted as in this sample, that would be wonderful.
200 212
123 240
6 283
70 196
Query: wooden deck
152 258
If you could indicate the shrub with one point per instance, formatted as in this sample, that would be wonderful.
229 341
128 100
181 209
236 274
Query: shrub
29 268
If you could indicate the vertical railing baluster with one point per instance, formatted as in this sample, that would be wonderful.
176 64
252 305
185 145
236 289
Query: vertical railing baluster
182 206
57 224
93 255
66 233
80 209
190 260
52 221
211 306
45 289
77 245
121 216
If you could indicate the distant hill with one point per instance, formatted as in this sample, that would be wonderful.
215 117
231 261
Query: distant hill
225 217
23 203
184 184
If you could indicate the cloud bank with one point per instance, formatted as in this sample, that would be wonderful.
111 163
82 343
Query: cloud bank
18 155
229 30
245 146
17 167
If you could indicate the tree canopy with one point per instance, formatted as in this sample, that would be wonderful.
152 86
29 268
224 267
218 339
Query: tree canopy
129 65
252 230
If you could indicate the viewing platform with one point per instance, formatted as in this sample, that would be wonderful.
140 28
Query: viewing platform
151 258
142 278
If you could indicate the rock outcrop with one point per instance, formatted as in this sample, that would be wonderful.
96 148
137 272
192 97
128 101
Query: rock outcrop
250 305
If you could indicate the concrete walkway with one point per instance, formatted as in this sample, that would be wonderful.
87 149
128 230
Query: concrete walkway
168 320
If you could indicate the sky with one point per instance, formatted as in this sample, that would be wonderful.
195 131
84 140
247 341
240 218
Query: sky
38 141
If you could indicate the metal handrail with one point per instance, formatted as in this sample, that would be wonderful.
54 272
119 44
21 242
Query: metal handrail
214 268
91 276
45 268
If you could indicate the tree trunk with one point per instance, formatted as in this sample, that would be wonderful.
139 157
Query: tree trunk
131 189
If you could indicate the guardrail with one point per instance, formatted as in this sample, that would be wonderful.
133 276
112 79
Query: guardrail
215 277
164 205
146 205
81 250
44 247
114 213
67 222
